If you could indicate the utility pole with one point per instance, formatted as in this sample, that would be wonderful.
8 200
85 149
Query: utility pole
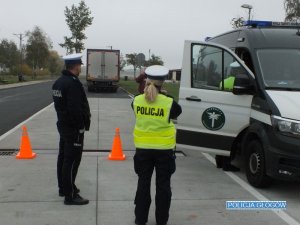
21 37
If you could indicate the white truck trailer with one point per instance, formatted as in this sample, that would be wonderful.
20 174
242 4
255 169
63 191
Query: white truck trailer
103 69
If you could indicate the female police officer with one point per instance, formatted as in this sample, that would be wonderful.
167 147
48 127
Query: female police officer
154 139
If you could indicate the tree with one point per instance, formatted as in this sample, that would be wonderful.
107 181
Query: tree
68 45
37 48
292 9
132 60
154 60
237 22
122 62
78 18
55 63
9 55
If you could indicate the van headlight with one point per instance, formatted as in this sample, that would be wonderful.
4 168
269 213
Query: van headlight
286 125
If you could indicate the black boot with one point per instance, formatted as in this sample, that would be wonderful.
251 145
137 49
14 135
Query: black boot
227 165
61 193
219 161
76 200
138 223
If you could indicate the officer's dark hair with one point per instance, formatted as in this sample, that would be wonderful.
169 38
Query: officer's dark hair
70 66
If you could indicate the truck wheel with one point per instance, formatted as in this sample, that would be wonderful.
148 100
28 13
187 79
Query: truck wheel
255 165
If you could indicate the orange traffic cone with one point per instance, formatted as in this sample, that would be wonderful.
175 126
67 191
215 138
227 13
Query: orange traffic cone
25 148
116 151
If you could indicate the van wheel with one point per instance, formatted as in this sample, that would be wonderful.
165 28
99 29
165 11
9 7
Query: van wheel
255 165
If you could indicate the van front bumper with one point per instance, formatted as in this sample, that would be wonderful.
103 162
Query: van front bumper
282 154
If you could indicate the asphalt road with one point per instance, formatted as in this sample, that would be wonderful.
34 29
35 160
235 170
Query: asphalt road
119 94
18 104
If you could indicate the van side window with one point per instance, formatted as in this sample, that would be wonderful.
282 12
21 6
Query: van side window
206 67
214 68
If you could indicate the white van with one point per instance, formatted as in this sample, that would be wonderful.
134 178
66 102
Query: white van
240 95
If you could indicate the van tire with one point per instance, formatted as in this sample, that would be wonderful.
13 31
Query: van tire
255 165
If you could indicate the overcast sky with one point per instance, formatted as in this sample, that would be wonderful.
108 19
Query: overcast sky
136 25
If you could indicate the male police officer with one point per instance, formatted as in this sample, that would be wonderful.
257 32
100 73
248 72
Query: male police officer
73 114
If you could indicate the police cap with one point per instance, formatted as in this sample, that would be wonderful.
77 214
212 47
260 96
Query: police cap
235 64
73 58
157 72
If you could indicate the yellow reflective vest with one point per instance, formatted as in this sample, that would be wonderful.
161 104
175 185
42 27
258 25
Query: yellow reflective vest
153 129
228 83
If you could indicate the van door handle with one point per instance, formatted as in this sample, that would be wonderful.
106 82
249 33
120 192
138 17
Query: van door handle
193 98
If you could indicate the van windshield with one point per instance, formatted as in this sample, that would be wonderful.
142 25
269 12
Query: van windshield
280 68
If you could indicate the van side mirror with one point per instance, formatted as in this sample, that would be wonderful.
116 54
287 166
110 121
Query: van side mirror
243 85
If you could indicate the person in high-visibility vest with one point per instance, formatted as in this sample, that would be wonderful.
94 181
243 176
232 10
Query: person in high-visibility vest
154 139
235 68
228 83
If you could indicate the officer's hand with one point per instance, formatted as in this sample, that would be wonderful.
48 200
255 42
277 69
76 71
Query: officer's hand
81 131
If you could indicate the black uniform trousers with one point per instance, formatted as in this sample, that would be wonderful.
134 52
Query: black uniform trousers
68 161
145 160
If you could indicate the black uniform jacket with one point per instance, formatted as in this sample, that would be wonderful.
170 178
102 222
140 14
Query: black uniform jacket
70 102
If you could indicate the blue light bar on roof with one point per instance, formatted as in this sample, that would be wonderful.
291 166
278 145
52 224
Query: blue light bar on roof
259 23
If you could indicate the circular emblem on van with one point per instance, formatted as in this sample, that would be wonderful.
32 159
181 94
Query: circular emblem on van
213 118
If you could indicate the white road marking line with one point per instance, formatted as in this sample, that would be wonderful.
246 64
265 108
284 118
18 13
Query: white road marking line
129 94
25 121
282 214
